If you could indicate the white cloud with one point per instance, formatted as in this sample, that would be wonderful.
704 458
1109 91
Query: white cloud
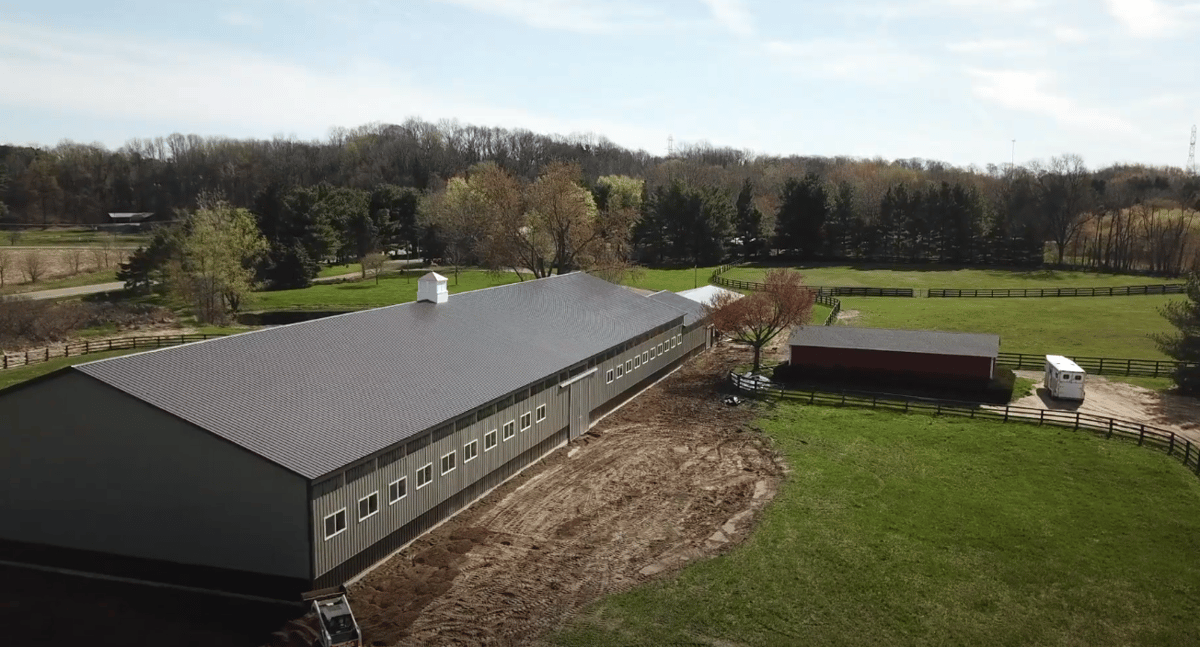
581 16
733 14
1152 18
990 45
1029 92
239 19
1070 35
199 86
862 60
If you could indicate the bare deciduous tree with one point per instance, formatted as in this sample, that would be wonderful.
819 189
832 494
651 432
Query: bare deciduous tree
759 317
33 264
372 264
75 259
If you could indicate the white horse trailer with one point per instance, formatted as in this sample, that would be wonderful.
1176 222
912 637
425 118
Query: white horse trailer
1064 378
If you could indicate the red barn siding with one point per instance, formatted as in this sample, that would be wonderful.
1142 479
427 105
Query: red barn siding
865 360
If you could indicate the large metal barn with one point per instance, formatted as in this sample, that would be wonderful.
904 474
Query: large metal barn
296 457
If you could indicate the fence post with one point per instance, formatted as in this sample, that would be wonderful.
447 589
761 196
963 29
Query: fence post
5 362
1101 369
47 353
110 344
1128 366
1006 413
843 398
1110 428
1076 421
1041 416
1171 447
939 409
1141 434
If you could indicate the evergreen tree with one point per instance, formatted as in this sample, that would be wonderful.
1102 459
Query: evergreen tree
748 221
1184 345
803 209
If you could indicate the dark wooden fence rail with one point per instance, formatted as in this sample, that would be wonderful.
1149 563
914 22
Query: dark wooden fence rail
1168 441
1097 365
1121 291
37 356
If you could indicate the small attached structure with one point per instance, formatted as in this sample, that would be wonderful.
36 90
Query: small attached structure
1064 378
921 355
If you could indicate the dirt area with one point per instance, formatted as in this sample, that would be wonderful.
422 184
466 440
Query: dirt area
847 315
1104 397
59 262
672 477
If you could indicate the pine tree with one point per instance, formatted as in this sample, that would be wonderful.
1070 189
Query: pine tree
1184 346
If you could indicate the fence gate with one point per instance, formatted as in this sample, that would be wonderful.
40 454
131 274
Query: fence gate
580 405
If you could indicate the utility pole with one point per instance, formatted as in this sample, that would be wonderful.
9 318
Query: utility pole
1191 163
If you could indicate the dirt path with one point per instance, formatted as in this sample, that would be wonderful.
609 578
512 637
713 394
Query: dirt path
1125 401
672 477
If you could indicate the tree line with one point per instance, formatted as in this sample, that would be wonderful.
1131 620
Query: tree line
699 205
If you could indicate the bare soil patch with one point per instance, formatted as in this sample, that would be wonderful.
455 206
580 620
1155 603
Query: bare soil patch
1104 397
847 315
672 477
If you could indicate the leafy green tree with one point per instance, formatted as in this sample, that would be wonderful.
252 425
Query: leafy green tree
1184 345
683 222
395 210
803 209
146 268
217 253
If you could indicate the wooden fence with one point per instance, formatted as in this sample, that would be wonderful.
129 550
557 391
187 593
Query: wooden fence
1125 290
37 356
1097 365
1172 443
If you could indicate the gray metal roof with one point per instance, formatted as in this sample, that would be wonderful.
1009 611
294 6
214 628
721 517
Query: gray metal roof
318 395
900 341
692 310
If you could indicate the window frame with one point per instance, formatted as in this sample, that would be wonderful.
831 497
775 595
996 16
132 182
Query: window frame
628 366
539 414
608 377
325 521
495 440
358 507
453 456
472 456
526 420
645 357
402 479
510 430
428 479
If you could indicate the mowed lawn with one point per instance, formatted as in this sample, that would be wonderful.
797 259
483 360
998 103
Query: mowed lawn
898 530
358 295
1079 326
939 276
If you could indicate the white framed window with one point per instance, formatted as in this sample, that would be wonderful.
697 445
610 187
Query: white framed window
510 429
525 417
541 413
660 350
397 490
448 462
620 370
637 361
368 506
646 357
335 524
489 440
470 451
652 354
628 366
424 475
609 376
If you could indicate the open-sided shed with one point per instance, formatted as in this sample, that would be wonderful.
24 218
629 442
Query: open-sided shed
887 353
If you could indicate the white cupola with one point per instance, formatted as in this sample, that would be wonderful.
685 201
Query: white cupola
433 288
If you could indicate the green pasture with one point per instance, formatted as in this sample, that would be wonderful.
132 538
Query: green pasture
941 276
899 530
675 280
392 288
14 376
1082 326
73 237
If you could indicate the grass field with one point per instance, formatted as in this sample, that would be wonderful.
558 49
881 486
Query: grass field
357 295
338 270
73 237
1083 326
938 276
83 278
673 280
915 530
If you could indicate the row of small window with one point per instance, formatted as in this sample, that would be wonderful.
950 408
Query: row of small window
398 489
637 360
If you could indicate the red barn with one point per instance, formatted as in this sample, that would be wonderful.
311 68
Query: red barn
922 355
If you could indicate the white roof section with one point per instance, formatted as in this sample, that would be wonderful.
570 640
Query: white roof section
1061 363
705 294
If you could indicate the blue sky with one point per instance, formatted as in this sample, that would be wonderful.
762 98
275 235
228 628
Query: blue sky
955 80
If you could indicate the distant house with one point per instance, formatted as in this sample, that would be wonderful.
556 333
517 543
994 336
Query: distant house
296 457
920 355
